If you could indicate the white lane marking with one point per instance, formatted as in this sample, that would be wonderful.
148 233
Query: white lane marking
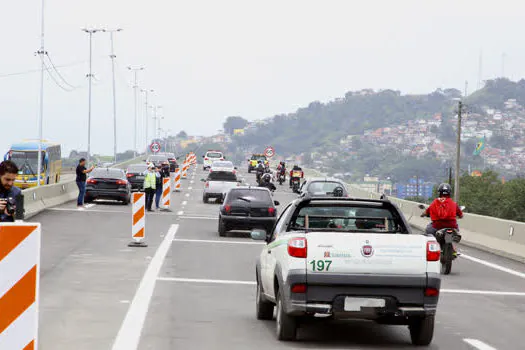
180 213
494 266
128 337
192 181
195 280
199 217
90 211
90 205
219 242
478 344
482 292
187 194
190 188
185 202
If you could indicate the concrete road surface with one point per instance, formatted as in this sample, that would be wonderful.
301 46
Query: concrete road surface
191 289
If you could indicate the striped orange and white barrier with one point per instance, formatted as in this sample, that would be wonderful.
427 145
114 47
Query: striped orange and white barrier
185 167
166 193
177 180
19 285
138 220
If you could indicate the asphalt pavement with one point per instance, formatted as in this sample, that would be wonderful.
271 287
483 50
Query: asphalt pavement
191 289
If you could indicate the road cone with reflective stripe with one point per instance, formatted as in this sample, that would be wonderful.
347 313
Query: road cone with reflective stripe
166 194
19 280
177 180
138 220
185 169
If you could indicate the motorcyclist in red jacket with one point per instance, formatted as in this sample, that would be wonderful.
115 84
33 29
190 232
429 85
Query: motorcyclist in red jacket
443 212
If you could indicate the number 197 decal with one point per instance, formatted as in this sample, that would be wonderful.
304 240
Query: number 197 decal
320 265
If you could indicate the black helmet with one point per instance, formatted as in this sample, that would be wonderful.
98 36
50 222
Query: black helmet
444 189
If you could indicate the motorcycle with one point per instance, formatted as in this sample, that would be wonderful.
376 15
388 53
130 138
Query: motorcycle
266 182
281 178
446 237
296 183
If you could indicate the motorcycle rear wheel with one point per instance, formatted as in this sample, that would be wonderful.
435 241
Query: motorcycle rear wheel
446 259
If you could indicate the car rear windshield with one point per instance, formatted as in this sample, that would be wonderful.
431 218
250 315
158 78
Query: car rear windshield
223 164
137 168
258 157
347 218
108 173
249 195
323 187
214 155
157 158
222 176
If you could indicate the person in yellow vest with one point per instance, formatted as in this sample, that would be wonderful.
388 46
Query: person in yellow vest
150 184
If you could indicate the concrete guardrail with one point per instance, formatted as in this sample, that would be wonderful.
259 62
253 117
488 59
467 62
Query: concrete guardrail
38 199
502 237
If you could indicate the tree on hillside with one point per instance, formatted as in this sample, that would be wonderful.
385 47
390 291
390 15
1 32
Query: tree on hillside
233 123
182 135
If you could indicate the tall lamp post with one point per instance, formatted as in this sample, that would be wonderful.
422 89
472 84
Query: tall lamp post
113 56
458 153
146 117
135 88
41 53
90 77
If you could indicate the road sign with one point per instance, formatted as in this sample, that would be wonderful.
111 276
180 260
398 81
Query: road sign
155 147
269 152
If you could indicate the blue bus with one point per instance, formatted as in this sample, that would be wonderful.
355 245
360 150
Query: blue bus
25 156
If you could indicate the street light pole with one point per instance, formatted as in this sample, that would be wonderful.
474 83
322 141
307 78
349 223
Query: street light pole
41 53
135 88
90 77
113 56
146 119
458 154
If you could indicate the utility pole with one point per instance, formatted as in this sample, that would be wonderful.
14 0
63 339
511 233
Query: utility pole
42 52
90 77
146 117
135 89
458 154
113 56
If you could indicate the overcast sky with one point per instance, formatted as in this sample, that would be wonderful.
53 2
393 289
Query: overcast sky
210 59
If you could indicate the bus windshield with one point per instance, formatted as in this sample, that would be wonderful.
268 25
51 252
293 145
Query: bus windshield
27 162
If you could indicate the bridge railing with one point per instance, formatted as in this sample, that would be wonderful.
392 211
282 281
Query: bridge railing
499 236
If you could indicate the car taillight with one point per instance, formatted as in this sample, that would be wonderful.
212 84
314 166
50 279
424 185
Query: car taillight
227 208
129 175
298 288
206 158
297 247
207 184
271 211
431 292
91 181
433 251
122 182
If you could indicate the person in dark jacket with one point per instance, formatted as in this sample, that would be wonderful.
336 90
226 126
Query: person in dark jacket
8 192
82 172
160 175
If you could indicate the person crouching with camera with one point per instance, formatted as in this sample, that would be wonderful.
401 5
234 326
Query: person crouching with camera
8 192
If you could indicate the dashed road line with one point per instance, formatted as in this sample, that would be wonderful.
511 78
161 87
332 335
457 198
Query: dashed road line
478 344
199 217
187 194
482 292
184 202
180 213
494 266
218 242
194 280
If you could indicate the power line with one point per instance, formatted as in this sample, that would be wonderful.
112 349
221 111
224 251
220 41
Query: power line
58 73
54 79
31 71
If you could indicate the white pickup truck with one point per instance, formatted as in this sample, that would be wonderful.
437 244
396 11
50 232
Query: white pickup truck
346 258
218 183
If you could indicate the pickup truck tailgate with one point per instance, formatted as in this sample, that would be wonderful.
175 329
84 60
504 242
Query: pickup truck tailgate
221 186
366 253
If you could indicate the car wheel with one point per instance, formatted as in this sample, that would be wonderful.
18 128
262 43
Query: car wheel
264 308
205 199
286 325
222 228
422 330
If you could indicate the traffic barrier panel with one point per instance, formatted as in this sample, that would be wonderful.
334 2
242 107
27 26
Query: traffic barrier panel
166 193
177 180
138 220
185 169
19 285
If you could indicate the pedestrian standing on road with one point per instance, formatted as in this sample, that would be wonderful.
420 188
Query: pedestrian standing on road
150 183
9 194
159 175
82 172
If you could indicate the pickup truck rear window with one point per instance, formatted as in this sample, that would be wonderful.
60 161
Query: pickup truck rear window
347 219
214 155
222 176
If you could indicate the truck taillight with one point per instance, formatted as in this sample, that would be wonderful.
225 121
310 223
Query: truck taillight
431 292
207 184
227 208
299 288
433 251
297 247
206 158
271 211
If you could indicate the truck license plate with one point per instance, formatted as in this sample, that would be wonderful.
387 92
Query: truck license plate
355 304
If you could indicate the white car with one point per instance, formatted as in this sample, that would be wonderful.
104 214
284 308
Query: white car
347 258
217 185
223 165
210 157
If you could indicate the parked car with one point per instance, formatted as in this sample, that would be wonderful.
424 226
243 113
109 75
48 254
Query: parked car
346 258
210 157
135 175
223 165
245 208
108 183
217 184
324 186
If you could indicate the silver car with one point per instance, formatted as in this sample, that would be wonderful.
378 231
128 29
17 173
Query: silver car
218 183
323 187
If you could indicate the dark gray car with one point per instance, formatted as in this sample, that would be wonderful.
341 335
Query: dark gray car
324 187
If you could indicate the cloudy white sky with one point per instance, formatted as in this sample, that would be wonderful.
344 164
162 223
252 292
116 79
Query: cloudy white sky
210 59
